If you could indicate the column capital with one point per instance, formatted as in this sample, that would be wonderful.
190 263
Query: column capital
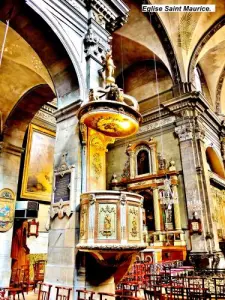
184 132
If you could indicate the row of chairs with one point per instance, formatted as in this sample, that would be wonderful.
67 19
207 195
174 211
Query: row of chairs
177 293
186 283
20 277
63 293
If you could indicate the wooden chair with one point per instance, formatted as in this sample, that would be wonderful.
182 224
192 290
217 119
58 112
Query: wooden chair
124 297
149 294
39 271
15 277
219 288
44 291
27 284
13 291
177 293
87 295
198 294
3 295
102 295
63 293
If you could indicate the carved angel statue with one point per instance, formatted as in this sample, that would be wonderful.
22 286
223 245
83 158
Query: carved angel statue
110 67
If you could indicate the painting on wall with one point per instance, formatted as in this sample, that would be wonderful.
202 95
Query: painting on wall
38 167
7 202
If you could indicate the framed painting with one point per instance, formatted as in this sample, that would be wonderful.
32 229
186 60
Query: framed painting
38 166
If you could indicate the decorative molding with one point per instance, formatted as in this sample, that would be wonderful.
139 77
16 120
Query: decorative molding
157 124
109 14
68 111
12 149
219 90
204 39
111 247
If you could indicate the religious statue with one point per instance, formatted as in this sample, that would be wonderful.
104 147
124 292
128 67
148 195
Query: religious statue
107 225
109 67
134 227
143 162
161 162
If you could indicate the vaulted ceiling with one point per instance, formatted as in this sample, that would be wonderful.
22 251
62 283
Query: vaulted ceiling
195 38
20 71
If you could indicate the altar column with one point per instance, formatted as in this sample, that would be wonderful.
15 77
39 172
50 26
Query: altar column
156 209
176 210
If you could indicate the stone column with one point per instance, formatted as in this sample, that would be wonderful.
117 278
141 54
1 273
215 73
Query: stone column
64 228
154 158
177 210
189 154
205 187
10 157
156 208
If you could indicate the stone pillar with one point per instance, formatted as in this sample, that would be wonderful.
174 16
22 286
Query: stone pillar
10 157
154 158
177 210
203 174
189 154
64 228
156 209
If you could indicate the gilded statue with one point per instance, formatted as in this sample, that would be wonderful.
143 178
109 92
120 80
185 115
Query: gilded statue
107 225
109 67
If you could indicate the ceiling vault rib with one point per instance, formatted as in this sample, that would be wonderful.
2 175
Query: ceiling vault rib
201 43
167 45
219 90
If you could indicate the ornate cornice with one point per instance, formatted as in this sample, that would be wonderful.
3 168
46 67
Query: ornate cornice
111 14
112 247
204 39
67 112
166 43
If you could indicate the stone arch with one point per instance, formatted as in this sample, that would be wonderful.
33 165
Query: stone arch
215 162
37 26
204 39
24 111
167 45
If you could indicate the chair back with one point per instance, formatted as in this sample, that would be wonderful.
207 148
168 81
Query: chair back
63 293
84 294
44 291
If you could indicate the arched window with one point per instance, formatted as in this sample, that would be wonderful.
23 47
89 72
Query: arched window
143 166
214 162
198 84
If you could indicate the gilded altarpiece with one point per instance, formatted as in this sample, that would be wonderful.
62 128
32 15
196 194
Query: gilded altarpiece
107 221
97 147
133 223
218 197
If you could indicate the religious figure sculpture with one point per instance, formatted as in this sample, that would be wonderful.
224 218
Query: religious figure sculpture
110 67
134 227
107 225
161 162
142 162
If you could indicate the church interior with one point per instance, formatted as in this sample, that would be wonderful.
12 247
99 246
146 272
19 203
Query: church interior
112 150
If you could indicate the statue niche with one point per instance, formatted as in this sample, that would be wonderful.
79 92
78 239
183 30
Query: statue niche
143 166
